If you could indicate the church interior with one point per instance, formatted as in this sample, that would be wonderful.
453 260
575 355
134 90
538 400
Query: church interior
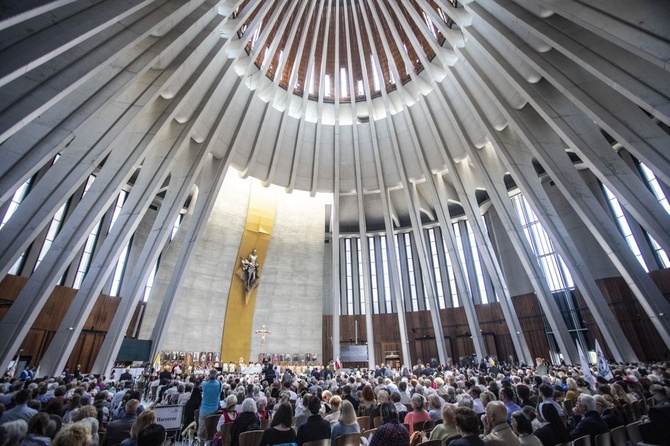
301 181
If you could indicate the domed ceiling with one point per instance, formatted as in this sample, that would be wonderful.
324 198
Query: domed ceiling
377 101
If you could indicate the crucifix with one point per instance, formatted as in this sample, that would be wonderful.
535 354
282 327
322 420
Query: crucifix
263 332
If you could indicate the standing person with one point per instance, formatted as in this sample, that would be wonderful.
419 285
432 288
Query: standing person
391 433
126 375
269 373
211 397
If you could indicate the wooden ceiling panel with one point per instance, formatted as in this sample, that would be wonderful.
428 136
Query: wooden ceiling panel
360 36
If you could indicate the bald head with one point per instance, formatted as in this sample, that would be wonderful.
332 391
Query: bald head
132 406
496 413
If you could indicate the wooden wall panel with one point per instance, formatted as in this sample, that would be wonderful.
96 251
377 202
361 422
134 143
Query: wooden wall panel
527 309
326 338
635 324
50 317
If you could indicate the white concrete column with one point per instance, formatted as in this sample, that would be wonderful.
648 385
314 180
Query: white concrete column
464 183
492 172
459 269
537 136
209 185
464 176
335 246
21 315
518 159
106 38
155 170
77 161
638 233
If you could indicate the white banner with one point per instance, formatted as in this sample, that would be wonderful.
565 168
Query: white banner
168 416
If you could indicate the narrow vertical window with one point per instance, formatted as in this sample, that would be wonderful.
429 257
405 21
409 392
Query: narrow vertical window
150 282
117 208
54 229
401 276
86 256
430 24
350 279
257 33
652 184
436 268
17 198
461 252
120 270
410 272
556 274
176 225
266 54
375 75
387 278
361 282
624 227
327 86
373 278
478 266
452 279
344 91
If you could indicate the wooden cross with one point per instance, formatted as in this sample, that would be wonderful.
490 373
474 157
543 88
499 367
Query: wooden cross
263 332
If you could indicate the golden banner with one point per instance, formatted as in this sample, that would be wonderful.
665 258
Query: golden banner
237 328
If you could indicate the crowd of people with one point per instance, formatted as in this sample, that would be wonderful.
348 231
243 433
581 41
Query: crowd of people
499 405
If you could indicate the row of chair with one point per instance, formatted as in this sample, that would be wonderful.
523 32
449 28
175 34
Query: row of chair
630 413
354 440
619 436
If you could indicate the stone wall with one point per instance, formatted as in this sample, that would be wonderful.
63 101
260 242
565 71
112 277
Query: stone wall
289 301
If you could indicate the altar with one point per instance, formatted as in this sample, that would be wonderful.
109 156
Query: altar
251 370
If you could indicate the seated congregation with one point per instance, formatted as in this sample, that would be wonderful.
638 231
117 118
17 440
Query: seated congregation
429 407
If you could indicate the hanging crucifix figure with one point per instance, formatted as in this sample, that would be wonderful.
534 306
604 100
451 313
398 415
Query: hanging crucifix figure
263 332
250 267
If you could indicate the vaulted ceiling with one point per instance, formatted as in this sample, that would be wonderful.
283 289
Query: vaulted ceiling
345 96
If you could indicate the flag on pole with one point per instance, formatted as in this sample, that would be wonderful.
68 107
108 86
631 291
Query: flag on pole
585 366
603 366
11 369
338 366
157 362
